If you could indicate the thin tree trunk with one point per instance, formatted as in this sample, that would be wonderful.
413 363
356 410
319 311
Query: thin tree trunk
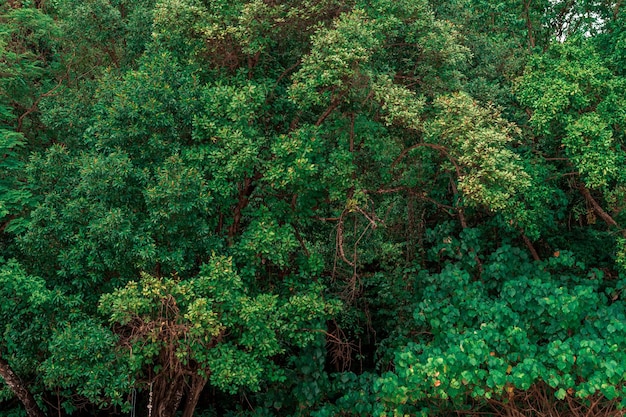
20 390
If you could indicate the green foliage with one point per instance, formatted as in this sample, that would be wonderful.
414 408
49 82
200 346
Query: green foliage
26 39
82 356
314 207
490 173
29 314
576 100
544 323
27 309
213 322
13 198
574 96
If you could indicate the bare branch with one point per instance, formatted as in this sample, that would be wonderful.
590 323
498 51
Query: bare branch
530 247
606 217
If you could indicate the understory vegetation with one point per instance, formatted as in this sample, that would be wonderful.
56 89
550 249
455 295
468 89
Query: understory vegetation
312 208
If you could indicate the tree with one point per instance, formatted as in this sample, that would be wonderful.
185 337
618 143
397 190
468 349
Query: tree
265 197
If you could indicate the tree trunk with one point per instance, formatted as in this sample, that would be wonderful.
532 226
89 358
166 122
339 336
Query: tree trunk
197 385
20 390
167 395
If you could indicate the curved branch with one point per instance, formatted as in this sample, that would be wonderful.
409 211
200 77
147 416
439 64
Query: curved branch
20 390
342 253
404 153
606 217
35 105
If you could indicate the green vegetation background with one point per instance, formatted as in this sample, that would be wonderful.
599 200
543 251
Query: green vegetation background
312 208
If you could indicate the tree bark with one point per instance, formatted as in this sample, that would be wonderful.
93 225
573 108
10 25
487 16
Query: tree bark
197 385
530 247
245 191
606 217
167 395
529 25
20 390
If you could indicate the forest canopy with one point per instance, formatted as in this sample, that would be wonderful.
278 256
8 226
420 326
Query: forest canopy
312 208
